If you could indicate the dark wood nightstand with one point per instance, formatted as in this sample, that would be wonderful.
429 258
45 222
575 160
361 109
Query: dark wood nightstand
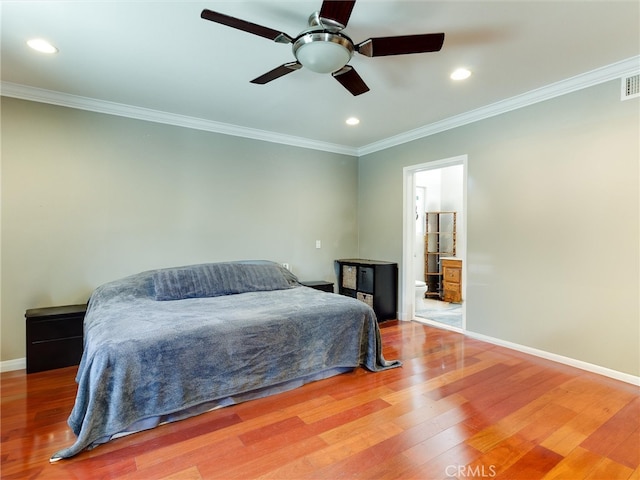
319 285
54 337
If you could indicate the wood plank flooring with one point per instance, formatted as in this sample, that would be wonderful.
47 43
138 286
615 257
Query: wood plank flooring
458 408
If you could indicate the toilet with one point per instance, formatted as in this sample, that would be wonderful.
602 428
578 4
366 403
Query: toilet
421 289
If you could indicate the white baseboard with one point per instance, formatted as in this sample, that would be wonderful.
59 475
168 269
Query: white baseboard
15 364
572 362
21 363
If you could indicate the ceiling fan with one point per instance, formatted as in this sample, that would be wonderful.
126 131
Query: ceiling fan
323 47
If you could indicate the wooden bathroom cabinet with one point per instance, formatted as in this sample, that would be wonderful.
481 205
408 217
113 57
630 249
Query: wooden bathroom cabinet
452 279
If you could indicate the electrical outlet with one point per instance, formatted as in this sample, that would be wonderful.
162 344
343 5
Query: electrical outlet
286 265
318 244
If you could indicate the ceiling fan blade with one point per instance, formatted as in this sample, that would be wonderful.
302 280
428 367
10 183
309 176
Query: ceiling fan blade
277 73
245 26
337 11
350 80
382 46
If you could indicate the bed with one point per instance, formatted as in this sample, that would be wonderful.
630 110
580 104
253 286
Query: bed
170 343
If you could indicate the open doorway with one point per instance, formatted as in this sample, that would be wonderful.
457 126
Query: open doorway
434 236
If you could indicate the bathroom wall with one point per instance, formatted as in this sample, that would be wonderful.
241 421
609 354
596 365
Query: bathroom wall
452 200
444 192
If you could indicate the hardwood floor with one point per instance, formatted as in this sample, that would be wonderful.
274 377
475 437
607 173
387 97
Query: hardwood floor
458 408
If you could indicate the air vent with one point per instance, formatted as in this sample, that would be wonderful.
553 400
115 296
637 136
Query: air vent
630 87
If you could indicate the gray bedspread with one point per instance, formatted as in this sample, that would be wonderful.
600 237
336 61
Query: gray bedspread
147 356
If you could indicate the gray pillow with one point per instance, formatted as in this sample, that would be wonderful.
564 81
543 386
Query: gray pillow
216 279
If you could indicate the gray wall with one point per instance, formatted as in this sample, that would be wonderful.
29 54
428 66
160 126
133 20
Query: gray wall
88 198
553 243
553 252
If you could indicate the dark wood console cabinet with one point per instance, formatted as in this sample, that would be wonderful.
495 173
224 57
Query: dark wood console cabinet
55 337
371 281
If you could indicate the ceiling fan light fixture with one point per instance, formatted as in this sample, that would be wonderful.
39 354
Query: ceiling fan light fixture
323 52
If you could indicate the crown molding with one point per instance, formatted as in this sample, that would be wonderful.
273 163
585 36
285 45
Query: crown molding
41 95
610 72
629 66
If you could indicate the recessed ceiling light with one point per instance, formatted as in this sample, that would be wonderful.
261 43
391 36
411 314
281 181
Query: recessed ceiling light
41 45
460 74
352 121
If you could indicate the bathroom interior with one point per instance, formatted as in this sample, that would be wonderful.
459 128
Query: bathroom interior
439 237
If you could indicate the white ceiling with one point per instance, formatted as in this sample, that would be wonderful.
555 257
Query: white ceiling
162 56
